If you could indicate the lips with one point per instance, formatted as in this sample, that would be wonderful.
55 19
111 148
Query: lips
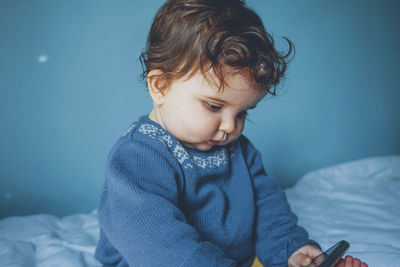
213 142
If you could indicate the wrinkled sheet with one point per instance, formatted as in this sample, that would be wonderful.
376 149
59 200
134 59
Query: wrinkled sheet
356 201
49 241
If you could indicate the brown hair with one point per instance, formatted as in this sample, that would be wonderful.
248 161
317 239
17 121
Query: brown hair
191 35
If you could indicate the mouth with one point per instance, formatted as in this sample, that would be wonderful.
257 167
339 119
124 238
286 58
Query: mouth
213 142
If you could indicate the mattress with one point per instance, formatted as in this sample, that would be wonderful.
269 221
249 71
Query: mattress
355 201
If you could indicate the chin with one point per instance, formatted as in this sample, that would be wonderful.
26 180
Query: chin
198 146
203 147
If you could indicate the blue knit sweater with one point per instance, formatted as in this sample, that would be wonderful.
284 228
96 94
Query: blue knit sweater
166 205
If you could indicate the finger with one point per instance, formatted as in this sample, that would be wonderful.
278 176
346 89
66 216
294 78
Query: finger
301 259
363 264
356 262
348 261
312 251
348 258
340 263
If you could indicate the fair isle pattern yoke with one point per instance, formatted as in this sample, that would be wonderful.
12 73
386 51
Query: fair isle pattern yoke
216 159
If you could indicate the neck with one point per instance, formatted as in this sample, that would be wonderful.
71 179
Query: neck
155 116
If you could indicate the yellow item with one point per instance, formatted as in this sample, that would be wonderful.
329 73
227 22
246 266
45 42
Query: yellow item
256 263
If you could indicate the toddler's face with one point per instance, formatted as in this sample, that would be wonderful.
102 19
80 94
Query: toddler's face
200 116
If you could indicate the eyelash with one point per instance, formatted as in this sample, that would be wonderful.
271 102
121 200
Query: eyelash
215 108
243 114
212 107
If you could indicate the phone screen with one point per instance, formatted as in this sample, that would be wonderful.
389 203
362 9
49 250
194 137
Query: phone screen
330 256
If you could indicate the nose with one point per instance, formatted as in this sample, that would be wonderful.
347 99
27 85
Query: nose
228 124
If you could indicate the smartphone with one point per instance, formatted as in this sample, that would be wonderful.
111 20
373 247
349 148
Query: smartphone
330 256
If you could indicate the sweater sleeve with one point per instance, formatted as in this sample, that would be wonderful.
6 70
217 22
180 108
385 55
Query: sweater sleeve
140 216
277 232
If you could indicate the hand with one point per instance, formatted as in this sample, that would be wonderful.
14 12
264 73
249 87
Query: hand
349 261
303 256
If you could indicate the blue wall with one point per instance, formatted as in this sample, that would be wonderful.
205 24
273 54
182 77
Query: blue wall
69 86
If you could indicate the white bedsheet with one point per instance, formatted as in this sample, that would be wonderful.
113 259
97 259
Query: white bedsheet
49 241
356 201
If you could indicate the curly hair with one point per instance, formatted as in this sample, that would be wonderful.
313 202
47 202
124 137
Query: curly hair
191 35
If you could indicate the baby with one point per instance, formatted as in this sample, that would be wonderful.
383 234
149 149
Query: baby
183 186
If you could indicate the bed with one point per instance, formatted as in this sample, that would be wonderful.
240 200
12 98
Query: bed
356 201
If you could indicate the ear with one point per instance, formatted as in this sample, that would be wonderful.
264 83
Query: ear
157 85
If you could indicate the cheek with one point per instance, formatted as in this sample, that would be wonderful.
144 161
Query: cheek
240 125
238 131
202 124
188 122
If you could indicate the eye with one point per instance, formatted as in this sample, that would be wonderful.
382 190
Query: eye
242 114
212 107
